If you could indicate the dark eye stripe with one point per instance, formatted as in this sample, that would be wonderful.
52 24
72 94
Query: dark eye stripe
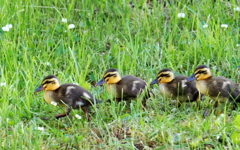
164 75
201 72
47 82
109 75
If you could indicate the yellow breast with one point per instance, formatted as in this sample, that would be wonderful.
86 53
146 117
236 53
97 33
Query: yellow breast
202 87
164 90
111 88
48 96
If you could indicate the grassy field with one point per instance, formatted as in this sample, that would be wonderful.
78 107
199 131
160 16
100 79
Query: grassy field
137 37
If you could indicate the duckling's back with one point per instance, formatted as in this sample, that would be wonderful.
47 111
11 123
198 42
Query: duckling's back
222 87
183 90
231 88
73 96
129 86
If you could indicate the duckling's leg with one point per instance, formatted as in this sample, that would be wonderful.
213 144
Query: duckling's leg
179 103
85 110
68 110
215 104
144 103
118 100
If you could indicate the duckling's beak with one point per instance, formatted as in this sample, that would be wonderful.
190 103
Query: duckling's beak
40 88
101 82
191 78
154 81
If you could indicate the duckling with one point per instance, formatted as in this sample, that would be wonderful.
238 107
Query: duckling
68 95
176 87
123 87
219 89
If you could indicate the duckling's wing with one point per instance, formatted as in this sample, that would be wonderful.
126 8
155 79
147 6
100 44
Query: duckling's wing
223 87
130 86
179 85
75 96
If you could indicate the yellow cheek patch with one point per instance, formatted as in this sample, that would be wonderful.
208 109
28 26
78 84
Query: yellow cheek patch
201 77
166 79
112 80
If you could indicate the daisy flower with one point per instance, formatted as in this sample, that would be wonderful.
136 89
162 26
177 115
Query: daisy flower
181 15
224 25
71 26
205 26
3 84
40 128
78 116
7 27
64 20
237 9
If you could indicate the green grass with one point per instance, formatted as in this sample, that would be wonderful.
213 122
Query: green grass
142 40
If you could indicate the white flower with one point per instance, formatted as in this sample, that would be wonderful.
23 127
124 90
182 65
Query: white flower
6 29
3 84
47 63
71 26
181 15
78 117
224 25
64 20
9 26
53 103
205 26
238 45
40 128
237 9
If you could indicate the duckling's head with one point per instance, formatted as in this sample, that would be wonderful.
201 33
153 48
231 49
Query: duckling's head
164 76
49 83
200 73
111 76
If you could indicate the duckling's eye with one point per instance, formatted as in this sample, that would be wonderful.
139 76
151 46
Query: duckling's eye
47 82
201 72
164 75
109 75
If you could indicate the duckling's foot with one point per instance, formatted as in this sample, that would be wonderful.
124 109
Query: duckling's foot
60 116
215 104
144 103
45 118
85 110
108 101
118 100
206 113
179 104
